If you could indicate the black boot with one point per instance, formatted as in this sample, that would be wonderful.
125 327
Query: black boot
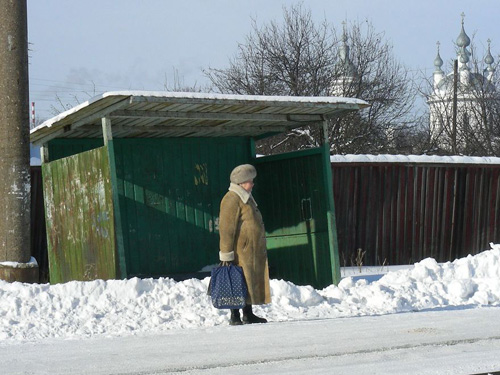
249 317
235 318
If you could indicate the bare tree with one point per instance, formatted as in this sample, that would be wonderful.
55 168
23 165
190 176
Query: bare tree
61 105
299 57
178 84
382 81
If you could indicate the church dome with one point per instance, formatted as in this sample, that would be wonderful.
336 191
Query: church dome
467 80
463 39
438 62
489 58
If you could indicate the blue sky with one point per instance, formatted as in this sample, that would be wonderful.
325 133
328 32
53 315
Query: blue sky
82 48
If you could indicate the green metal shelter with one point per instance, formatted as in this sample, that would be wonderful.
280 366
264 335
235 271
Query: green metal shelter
133 181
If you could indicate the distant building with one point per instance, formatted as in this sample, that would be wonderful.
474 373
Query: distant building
473 90
342 86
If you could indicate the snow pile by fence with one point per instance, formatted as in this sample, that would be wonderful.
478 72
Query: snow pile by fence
122 307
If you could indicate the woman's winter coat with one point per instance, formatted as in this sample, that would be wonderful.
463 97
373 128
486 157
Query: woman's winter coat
243 240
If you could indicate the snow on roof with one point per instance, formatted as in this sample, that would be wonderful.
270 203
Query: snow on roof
431 159
202 95
205 96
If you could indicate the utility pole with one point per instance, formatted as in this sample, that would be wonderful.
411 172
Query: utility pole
15 184
454 120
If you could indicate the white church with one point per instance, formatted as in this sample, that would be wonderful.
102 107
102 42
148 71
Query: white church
460 117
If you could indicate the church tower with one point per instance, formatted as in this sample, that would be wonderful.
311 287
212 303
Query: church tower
343 84
458 101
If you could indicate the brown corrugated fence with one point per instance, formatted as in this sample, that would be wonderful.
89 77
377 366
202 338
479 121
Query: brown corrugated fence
401 213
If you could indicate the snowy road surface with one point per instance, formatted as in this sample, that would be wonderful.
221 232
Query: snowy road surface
452 341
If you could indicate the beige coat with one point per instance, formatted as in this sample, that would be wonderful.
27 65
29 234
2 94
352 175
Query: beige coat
243 240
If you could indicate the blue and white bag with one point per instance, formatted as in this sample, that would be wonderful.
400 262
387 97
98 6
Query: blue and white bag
228 288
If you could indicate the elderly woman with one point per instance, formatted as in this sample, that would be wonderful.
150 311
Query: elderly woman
243 241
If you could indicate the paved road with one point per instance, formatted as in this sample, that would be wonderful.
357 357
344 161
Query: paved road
433 342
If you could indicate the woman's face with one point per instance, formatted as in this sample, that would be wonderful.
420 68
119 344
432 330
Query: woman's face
247 185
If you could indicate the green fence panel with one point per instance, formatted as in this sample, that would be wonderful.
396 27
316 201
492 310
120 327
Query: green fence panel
60 148
169 196
292 192
79 217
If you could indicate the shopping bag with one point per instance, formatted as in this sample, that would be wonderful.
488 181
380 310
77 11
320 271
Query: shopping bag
228 288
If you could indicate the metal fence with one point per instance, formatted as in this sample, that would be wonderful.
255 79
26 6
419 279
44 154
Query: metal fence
396 213
402 213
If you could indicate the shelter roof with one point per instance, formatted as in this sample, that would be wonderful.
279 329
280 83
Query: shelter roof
144 114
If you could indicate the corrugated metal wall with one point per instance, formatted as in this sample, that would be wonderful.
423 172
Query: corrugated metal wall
403 213
291 193
169 195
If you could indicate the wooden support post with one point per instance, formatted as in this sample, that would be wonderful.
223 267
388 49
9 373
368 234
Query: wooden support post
325 140
330 204
44 153
121 269
106 130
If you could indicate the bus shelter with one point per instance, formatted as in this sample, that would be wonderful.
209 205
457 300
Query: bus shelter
133 180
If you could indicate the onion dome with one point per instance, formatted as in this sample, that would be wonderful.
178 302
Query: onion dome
438 61
463 39
489 58
464 56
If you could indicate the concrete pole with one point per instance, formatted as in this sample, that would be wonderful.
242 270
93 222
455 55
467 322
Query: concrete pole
15 184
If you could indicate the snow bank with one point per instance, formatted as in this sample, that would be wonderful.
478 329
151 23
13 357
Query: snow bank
124 307
470 281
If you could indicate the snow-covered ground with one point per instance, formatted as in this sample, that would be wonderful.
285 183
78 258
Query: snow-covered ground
373 322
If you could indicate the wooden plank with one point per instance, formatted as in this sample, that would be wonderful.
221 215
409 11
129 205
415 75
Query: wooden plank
44 153
446 218
493 205
497 207
107 133
409 217
379 183
192 114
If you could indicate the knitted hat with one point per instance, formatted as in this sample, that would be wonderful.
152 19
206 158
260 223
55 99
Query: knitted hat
243 173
